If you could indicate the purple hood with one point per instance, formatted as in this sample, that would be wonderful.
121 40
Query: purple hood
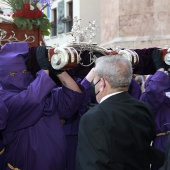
13 71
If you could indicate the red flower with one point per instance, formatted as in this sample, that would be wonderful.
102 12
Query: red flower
26 6
18 14
27 13
38 14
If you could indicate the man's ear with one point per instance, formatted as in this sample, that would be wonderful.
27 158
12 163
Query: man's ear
102 85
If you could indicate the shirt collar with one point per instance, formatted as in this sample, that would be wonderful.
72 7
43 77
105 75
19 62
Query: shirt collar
107 96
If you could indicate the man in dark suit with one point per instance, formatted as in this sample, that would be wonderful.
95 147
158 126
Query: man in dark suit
115 134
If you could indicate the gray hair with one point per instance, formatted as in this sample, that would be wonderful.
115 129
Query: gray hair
116 69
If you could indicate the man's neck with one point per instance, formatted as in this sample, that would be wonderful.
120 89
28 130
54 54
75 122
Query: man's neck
114 90
108 91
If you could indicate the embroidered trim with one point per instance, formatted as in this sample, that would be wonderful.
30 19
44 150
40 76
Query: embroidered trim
2 151
163 133
11 167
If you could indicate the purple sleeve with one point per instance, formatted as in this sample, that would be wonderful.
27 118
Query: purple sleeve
26 107
87 85
66 101
134 89
155 90
72 124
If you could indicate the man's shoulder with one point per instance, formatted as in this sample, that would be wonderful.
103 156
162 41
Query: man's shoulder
123 100
94 111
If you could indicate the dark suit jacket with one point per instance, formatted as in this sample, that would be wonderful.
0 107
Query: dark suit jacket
166 165
116 135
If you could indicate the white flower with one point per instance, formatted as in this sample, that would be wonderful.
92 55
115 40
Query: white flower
39 5
31 7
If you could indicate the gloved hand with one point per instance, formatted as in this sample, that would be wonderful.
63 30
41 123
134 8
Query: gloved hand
157 59
42 57
56 72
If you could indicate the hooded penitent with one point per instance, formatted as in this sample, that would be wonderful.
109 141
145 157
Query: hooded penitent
13 71
148 78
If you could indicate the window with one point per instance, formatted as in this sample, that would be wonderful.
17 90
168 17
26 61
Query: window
54 22
69 17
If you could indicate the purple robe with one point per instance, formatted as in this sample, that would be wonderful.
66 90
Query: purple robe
3 116
71 127
3 121
2 157
155 95
33 137
79 113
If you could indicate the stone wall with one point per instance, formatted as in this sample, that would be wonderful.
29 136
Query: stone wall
135 23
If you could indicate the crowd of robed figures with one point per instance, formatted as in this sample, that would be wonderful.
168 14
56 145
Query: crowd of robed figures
57 120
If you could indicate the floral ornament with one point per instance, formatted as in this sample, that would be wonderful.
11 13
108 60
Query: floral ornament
30 15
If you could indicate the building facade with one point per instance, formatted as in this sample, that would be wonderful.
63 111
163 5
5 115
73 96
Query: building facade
125 23
62 15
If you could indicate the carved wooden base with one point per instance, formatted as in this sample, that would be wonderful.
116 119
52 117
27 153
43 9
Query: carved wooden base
9 32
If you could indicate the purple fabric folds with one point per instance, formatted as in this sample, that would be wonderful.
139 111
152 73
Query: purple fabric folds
33 136
157 86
